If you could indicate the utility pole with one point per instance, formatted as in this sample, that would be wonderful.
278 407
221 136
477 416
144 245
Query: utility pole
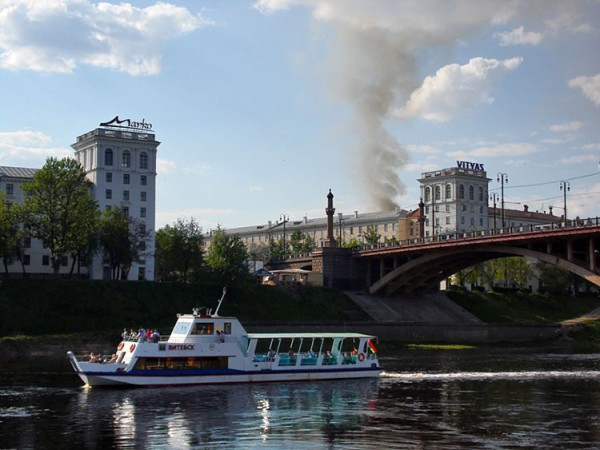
502 178
494 198
285 218
565 186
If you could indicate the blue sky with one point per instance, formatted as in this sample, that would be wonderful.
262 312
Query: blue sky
263 106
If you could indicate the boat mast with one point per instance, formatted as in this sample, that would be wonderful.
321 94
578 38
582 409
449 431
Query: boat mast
216 314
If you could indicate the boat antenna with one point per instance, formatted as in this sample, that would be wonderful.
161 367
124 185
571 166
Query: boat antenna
216 314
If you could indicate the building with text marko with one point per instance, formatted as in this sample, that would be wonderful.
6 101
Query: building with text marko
119 158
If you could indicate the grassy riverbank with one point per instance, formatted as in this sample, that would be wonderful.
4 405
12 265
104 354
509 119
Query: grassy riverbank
51 316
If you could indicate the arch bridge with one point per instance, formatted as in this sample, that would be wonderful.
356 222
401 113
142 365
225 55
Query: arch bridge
422 264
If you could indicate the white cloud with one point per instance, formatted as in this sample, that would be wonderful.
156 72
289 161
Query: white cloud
199 169
256 188
519 37
578 159
497 150
165 167
59 35
590 87
568 126
29 148
454 89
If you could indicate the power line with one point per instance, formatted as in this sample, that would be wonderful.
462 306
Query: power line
546 182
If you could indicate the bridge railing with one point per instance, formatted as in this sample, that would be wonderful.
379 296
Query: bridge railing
463 235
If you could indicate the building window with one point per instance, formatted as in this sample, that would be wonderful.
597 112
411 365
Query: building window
481 221
126 211
472 221
447 220
461 191
126 195
142 212
481 209
447 207
126 161
471 193
427 194
125 178
480 194
109 194
109 177
108 157
141 273
385 227
448 191
9 189
462 220
438 193
143 196
427 210
143 180
143 160
27 242
45 260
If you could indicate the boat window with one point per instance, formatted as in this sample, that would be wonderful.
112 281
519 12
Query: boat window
182 363
203 328
227 327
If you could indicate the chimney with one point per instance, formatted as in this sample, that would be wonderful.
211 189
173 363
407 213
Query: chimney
550 208
305 219
356 214
525 208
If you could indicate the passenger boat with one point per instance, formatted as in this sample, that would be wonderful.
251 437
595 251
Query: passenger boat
205 348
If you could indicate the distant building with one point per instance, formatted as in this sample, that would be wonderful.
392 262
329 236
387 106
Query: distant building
119 158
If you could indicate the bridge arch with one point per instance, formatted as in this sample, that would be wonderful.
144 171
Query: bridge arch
428 270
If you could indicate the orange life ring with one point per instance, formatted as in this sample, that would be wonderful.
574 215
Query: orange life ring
361 357
132 348
120 347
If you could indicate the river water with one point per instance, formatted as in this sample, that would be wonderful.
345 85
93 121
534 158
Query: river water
490 397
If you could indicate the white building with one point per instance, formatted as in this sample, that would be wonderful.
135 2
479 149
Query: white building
119 158
456 199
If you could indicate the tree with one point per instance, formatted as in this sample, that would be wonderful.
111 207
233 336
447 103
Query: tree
114 239
179 248
10 232
555 280
296 241
59 208
371 235
226 257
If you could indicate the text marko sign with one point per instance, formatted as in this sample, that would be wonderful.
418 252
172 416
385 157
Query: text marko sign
116 122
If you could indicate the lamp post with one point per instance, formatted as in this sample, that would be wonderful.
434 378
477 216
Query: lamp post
565 186
502 178
341 220
494 198
284 218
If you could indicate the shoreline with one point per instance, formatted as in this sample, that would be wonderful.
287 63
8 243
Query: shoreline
55 347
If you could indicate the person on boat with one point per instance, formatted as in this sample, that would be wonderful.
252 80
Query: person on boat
221 336
125 334
141 334
272 354
113 359
155 336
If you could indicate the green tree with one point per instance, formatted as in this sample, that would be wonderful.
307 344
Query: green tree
371 235
59 209
297 241
179 248
114 239
555 281
10 233
226 258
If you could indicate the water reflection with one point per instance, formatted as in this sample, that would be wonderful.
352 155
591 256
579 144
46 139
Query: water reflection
485 398
225 415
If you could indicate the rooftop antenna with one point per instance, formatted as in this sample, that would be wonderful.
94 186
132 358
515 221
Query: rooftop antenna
216 314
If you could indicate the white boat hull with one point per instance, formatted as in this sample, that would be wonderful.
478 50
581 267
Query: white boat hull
109 379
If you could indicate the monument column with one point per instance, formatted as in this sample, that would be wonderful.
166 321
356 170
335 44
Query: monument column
330 210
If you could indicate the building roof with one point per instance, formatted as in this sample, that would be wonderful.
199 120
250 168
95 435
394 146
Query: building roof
321 222
525 214
17 172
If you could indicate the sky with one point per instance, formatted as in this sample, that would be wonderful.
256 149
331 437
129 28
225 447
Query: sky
262 106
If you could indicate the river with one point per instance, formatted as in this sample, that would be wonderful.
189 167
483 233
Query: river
494 397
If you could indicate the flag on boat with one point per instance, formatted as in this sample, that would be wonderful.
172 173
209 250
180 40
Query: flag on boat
372 347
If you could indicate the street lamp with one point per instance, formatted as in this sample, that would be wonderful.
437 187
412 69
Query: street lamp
565 186
284 218
341 219
494 198
502 178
